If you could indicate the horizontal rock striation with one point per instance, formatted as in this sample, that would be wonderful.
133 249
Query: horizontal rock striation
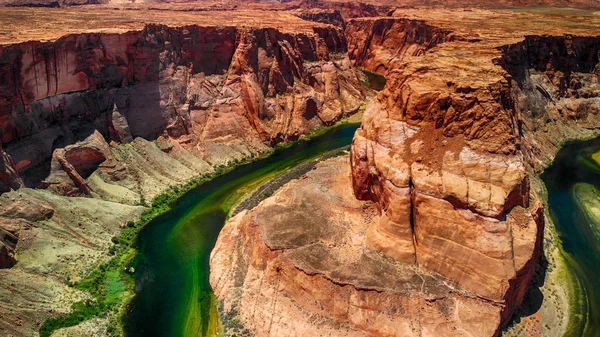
332 17
381 45
349 10
444 152
191 85
441 162
436 152
555 85
119 118
296 266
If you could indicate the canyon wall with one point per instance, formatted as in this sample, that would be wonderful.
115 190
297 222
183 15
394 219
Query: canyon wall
555 86
436 152
101 123
381 45
440 166
445 149
296 265
193 85
430 229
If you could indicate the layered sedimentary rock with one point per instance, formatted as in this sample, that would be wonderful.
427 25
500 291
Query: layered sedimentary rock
381 45
9 178
555 85
444 153
8 242
297 266
194 86
447 233
106 121
333 17
441 152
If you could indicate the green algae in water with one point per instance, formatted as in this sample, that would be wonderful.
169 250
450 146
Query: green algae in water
173 294
587 199
375 80
573 181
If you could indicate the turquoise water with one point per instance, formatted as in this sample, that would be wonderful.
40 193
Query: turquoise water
173 295
575 167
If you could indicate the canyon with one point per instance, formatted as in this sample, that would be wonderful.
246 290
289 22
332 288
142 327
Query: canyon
96 125
432 225
450 230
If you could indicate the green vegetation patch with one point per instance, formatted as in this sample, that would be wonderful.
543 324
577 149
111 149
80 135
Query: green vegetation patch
373 80
587 198
108 283
589 157
111 284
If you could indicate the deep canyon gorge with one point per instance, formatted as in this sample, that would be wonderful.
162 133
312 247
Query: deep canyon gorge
435 222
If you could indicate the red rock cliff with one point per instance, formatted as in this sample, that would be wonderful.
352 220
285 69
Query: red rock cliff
439 152
441 167
196 85
555 90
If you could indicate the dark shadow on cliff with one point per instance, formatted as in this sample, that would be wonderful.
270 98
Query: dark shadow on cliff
532 302
87 112
127 72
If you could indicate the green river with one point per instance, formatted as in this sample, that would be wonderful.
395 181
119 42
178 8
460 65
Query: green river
173 295
573 183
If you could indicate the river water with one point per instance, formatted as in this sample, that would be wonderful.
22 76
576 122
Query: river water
173 295
573 181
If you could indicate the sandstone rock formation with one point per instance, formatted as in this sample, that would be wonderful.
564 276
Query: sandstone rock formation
72 164
200 87
445 236
444 152
381 45
440 152
333 17
7 260
297 266
350 9
556 91
118 117
9 178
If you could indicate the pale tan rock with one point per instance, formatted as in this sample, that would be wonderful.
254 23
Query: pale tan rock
72 164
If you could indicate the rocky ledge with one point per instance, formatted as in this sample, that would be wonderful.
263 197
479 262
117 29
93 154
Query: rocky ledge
298 265
193 86
472 108
94 125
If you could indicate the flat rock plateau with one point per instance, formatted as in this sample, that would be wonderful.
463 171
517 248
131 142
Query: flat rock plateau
432 225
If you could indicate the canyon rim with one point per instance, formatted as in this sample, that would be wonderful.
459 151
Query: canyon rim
433 222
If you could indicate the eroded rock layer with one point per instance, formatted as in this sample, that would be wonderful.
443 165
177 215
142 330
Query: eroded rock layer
192 85
470 110
447 232
555 84
440 151
297 265
101 123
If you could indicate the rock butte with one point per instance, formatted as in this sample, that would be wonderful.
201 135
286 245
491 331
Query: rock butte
475 102
429 229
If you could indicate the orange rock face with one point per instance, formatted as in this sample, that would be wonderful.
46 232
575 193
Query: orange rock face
429 229
72 164
440 149
297 265
193 85
444 154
